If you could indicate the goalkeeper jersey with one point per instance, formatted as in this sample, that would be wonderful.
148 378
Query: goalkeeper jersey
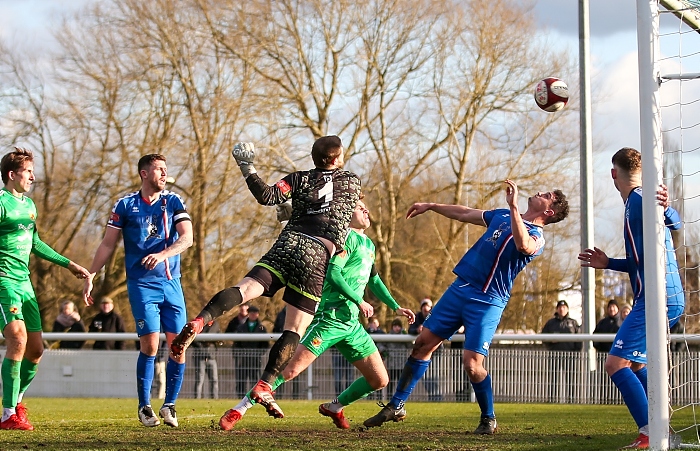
356 263
17 228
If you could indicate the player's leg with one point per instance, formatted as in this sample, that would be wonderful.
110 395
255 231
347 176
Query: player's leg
34 349
145 299
480 322
173 316
222 302
628 346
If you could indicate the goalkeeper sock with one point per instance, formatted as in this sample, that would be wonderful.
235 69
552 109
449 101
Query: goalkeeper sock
10 382
483 391
359 389
222 302
174 374
413 371
633 394
27 371
642 376
280 355
144 378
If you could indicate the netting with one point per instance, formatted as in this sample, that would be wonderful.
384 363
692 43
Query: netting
679 68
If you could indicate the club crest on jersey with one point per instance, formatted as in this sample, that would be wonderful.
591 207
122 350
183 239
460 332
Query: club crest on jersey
14 309
152 228
141 323
316 342
284 187
32 216
497 233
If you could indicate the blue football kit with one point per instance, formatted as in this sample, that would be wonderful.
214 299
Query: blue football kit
630 340
485 277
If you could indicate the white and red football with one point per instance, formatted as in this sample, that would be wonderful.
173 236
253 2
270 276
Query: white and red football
551 94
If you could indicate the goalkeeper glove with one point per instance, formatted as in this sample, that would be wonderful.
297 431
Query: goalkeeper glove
244 153
284 211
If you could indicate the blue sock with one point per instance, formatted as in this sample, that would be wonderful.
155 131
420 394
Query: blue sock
633 394
642 376
174 374
484 396
144 377
413 371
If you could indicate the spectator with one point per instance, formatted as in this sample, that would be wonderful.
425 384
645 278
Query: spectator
107 321
278 328
248 354
608 325
624 311
68 320
373 326
561 389
239 319
396 355
205 366
562 323
426 305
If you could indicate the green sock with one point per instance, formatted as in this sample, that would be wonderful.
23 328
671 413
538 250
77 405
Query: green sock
279 381
357 390
26 374
10 382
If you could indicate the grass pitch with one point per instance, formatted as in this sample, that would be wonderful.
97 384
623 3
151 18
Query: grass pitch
111 424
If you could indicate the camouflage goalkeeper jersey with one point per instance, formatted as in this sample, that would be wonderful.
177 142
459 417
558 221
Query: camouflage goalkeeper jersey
17 226
356 268
322 201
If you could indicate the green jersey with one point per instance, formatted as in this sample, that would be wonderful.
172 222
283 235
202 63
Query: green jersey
356 263
19 237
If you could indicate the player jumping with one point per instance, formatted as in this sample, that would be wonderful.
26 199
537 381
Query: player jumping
336 323
323 200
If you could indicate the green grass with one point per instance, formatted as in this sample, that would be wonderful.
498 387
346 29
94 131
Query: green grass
111 424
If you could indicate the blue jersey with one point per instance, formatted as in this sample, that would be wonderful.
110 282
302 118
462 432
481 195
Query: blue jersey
493 262
148 229
633 264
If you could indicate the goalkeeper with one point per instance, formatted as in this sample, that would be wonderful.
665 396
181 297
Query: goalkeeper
336 323
323 200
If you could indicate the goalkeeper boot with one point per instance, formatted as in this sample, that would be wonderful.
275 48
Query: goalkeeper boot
641 442
229 420
168 414
388 413
487 426
21 411
14 423
147 417
338 417
262 394
186 336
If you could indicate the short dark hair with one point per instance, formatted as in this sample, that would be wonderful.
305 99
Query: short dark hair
325 150
147 160
560 207
628 159
14 161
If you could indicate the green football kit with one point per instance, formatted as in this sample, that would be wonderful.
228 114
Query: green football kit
18 239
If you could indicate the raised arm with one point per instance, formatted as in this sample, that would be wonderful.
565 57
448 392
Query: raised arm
460 213
525 243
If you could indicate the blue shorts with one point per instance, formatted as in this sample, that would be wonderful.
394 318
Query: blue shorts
631 340
464 305
157 305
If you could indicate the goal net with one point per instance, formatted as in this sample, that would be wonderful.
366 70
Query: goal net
669 71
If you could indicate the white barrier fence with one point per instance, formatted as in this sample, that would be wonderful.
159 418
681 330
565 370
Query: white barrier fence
520 373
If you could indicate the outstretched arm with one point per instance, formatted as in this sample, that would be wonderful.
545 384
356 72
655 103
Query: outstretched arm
377 287
460 213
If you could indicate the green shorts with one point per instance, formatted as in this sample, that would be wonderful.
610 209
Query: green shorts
351 339
18 302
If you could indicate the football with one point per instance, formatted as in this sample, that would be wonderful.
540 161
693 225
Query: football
551 94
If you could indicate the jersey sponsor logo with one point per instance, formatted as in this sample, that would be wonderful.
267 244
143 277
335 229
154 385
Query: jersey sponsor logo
639 354
25 227
114 217
284 187
316 342
497 233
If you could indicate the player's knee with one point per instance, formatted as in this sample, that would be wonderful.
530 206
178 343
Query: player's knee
474 370
381 382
